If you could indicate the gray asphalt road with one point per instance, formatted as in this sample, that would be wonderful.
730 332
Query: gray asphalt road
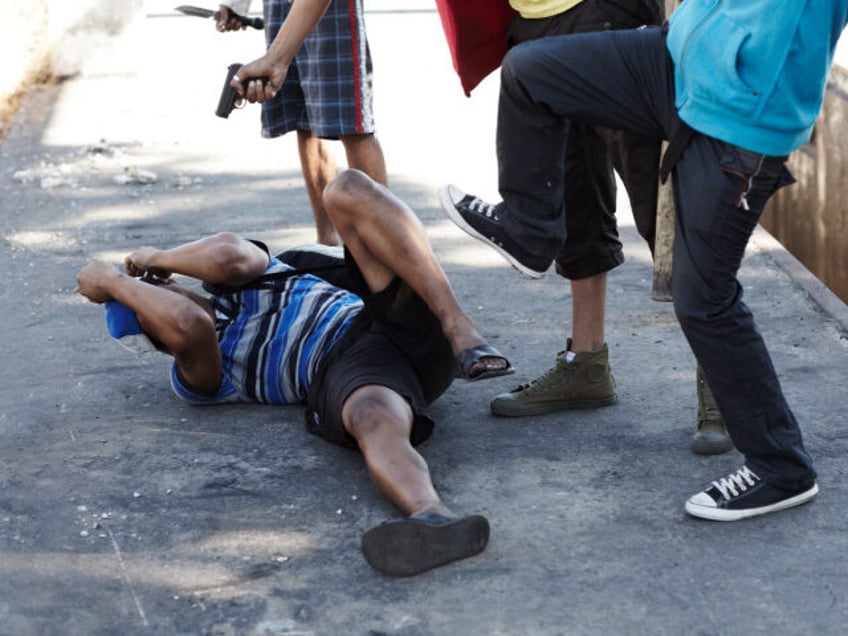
123 511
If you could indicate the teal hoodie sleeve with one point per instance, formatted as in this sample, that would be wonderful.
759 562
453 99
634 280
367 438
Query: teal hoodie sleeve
753 73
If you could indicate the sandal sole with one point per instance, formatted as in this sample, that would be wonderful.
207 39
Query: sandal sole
407 547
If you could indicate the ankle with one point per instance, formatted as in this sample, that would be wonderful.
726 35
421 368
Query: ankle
588 345
462 334
434 508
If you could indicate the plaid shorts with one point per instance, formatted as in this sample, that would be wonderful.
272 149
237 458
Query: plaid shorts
328 88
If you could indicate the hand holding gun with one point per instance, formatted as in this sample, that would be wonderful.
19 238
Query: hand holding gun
230 99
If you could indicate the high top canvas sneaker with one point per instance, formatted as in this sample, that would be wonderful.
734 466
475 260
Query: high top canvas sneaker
585 382
710 436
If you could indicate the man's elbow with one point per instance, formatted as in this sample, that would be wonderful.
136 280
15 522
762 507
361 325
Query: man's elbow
190 327
236 261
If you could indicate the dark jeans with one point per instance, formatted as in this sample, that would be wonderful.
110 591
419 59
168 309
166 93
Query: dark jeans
591 244
624 80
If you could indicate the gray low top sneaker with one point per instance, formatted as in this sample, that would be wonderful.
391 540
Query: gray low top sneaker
585 382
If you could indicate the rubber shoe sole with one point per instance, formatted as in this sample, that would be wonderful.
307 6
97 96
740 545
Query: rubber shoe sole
410 546
516 408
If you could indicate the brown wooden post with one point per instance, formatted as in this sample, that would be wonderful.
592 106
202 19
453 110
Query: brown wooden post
663 241
661 287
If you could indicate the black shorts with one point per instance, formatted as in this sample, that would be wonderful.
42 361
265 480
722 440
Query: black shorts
395 342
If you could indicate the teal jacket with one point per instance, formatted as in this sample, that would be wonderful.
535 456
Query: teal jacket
753 72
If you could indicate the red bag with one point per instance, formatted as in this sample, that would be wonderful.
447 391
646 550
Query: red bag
476 35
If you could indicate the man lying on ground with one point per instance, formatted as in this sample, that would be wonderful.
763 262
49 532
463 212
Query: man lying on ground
366 353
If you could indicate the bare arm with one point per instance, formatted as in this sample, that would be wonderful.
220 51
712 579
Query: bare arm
274 65
182 322
221 258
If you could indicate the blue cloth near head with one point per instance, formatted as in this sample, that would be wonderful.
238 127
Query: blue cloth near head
123 325
121 320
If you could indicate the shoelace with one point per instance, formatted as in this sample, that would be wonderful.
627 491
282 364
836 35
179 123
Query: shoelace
481 207
558 374
736 482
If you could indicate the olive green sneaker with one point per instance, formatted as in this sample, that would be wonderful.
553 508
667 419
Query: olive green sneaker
585 382
710 437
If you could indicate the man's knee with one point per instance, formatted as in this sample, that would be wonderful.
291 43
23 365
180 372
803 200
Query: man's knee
688 302
343 192
376 412
517 58
524 62
699 306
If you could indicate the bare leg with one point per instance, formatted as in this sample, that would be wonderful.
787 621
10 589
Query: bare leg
588 299
318 170
364 153
431 535
381 420
387 239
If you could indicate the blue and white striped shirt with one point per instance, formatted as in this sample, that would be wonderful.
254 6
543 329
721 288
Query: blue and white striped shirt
272 340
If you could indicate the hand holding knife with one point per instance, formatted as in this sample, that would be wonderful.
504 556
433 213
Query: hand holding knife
256 23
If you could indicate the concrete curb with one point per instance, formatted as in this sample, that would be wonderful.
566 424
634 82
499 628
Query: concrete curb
818 292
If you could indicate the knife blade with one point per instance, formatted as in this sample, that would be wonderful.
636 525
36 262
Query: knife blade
200 12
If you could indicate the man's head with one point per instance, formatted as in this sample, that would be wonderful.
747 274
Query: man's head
95 282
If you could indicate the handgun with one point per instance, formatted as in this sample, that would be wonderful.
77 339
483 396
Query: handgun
229 97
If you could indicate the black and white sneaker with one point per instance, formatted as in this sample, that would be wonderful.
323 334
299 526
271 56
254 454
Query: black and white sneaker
480 220
743 494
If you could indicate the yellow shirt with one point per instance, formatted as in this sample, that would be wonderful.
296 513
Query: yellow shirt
534 9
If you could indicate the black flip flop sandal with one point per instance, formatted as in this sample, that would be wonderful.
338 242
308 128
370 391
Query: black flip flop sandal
467 359
406 547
